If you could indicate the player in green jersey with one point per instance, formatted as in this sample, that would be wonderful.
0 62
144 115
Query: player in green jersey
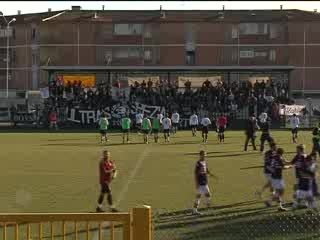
146 126
126 125
103 126
155 128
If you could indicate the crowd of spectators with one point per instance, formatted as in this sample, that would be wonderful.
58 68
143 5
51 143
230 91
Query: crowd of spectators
75 95
222 97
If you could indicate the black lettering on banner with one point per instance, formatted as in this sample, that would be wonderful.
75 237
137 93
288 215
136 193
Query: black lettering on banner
25 117
116 112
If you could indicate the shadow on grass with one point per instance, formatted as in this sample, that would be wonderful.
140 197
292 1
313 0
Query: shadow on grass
241 223
65 139
232 155
245 203
209 216
179 143
216 152
253 167
89 144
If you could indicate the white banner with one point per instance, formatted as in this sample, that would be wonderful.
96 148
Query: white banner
289 110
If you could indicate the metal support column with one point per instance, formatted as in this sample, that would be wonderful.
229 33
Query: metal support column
109 77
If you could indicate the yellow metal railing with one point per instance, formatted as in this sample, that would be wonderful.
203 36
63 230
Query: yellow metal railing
136 224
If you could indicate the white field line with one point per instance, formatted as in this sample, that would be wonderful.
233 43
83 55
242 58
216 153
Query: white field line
125 188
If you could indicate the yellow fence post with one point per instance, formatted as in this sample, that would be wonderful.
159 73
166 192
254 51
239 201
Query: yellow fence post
142 223
127 233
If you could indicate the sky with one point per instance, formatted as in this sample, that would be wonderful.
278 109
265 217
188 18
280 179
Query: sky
12 7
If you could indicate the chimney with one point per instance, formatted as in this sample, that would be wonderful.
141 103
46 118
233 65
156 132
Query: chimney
49 9
76 8
103 7
281 7
222 7
160 8
19 12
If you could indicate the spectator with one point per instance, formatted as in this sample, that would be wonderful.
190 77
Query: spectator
150 83
223 97
187 85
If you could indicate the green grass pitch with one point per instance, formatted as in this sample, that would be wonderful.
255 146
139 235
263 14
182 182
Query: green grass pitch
58 172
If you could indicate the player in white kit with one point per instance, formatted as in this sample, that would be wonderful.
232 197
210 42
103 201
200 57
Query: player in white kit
294 122
194 122
205 122
139 118
175 118
166 124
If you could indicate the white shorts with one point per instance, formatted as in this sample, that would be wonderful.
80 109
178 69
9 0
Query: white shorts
203 189
268 177
277 184
300 194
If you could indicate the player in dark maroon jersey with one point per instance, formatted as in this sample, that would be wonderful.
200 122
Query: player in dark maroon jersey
201 180
108 172
304 187
297 162
278 163
267 169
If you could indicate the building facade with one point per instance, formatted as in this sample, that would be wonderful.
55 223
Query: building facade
257 38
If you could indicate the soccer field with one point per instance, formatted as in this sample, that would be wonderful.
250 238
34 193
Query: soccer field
58 172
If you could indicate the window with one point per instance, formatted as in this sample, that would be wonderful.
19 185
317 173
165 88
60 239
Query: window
147 31
121 53
108 57
147 55
249 53
34 59
272 55
190 33
253 28
134 52
190 58
127 29
13 33
4 32
273 31
33 34
234 56
260 54
234 32
13 56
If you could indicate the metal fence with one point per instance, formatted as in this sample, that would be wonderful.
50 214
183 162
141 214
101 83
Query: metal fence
240 221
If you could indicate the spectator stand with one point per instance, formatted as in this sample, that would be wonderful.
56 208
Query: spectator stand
207 91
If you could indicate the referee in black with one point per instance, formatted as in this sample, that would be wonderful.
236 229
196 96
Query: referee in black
265 131
251 128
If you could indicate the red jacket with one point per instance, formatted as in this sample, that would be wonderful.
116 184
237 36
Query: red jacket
53 117
222 121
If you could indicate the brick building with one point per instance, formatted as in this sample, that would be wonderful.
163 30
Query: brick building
235 45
